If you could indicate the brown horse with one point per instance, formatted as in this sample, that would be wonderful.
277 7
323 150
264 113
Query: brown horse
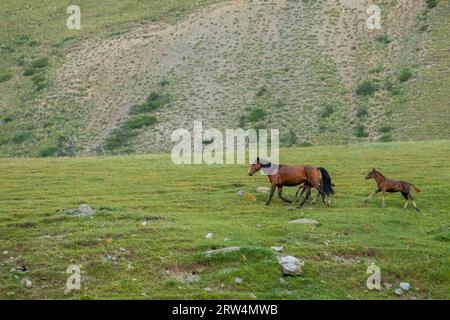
387 185
294 176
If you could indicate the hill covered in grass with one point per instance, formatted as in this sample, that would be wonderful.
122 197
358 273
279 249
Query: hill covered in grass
136 71
122 257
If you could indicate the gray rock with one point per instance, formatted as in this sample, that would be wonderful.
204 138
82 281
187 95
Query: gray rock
85 210
290 265
209 236
238 280
263 190
222 250
405 286
191 278
398 292
27 283
277 248
305 221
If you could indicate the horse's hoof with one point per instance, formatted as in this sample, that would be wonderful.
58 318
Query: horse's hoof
417 209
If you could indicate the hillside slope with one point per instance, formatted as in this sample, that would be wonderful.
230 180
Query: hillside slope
310 68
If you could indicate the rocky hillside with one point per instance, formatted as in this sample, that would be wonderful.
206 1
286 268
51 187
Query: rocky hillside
310 68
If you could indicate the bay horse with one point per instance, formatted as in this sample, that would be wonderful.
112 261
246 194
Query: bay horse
391 186
294 176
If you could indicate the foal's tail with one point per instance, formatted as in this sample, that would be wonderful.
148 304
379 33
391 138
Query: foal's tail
416 189
327 186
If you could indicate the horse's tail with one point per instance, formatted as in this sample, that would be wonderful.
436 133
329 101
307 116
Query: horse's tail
327 186
416 189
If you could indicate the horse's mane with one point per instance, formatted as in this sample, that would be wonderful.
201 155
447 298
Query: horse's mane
379 173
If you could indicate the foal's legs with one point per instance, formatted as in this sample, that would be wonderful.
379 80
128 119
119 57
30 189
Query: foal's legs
308 194
410 196
383 195
406 196
372 194
270 195
280 190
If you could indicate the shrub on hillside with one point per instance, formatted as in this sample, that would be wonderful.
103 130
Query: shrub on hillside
256 115
40 63
384 39
404 75
360 132
432 3
367 88
327 111
139 122
154 101
4 77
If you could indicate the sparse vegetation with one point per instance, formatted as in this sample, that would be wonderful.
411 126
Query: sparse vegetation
404 75
360 132
432 3
154 101
366 88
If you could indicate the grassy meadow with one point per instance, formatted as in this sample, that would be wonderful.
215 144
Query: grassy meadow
121 258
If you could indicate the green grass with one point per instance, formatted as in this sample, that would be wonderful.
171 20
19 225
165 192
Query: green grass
182 204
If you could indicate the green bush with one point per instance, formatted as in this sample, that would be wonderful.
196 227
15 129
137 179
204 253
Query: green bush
40 63
385 129
262 91
404 75
384 39
256 115
367 88
122 136
48 152
360 132
386 137
362 112
432 3
29 71
139 122
327 111
154 101
119 138
290 139
5 77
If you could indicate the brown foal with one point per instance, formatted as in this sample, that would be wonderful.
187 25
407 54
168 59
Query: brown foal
387 185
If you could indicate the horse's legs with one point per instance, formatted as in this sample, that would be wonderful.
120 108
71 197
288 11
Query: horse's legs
308 194
270 195
303 187
406 196
372 194
410 196
383 195
280 195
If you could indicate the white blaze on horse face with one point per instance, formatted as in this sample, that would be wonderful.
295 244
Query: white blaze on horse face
181 153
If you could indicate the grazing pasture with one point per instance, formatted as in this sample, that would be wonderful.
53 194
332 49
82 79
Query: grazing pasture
147 236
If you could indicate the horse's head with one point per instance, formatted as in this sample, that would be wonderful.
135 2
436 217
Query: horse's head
255 167
371 174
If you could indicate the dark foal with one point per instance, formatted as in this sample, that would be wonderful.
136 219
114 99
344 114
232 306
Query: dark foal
294 176
303 189
391 186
